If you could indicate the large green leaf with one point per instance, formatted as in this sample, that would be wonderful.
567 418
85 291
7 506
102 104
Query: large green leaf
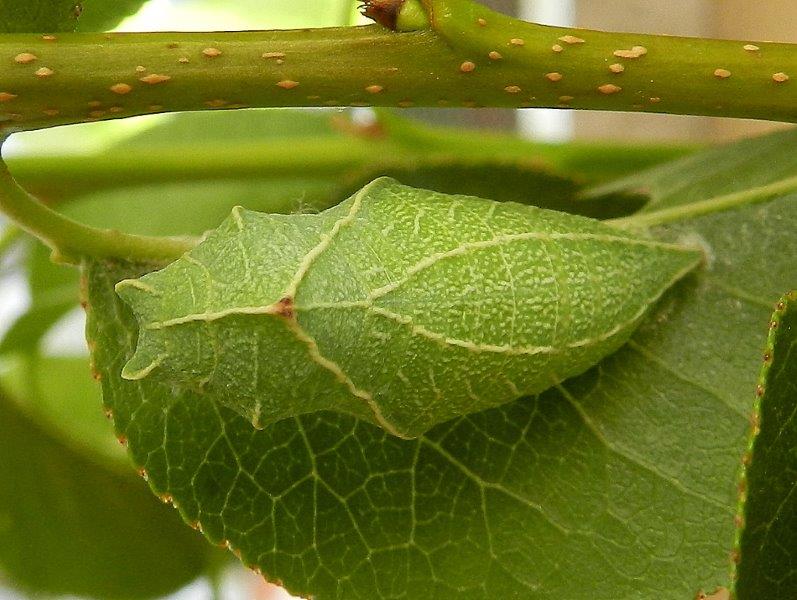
617 485
71 526
177 197
768 544
401 306
38 16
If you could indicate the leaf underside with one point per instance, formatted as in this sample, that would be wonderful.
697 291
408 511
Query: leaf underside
768 544
403 307
620 484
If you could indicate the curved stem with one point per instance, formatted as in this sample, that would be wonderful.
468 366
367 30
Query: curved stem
709 206
467 56
70 240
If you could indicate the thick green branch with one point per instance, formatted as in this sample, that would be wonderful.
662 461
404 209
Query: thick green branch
469 56
621 71
72 241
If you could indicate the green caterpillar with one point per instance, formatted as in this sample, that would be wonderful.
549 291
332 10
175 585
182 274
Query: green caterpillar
400 306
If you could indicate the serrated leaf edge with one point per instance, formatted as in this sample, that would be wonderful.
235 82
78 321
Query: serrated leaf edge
786 303
163 496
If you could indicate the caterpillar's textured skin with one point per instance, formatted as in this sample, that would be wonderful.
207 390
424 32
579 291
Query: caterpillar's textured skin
401 306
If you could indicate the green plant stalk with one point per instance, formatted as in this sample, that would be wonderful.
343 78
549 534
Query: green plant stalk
83 77
621 71
56 177
71 241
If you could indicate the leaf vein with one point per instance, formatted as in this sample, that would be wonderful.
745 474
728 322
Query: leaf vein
737 292
640 349
500 240
626 454
483 484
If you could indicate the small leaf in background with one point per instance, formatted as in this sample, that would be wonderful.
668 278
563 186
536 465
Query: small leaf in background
722 170
401 306
768 546
619 485
54 291
38 16
71 526
60 394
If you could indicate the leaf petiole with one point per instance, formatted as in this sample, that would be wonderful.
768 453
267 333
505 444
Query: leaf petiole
708 206
70 240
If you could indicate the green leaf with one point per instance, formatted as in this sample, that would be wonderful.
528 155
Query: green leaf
401 306
38 16
726 169
71 526
619 485
54 291
102 15
768 545
60 394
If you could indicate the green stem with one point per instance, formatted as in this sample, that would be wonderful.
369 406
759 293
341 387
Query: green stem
72 241
56 177
709 206
580 68
468 56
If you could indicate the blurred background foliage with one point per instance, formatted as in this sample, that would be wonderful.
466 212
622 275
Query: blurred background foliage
105 535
